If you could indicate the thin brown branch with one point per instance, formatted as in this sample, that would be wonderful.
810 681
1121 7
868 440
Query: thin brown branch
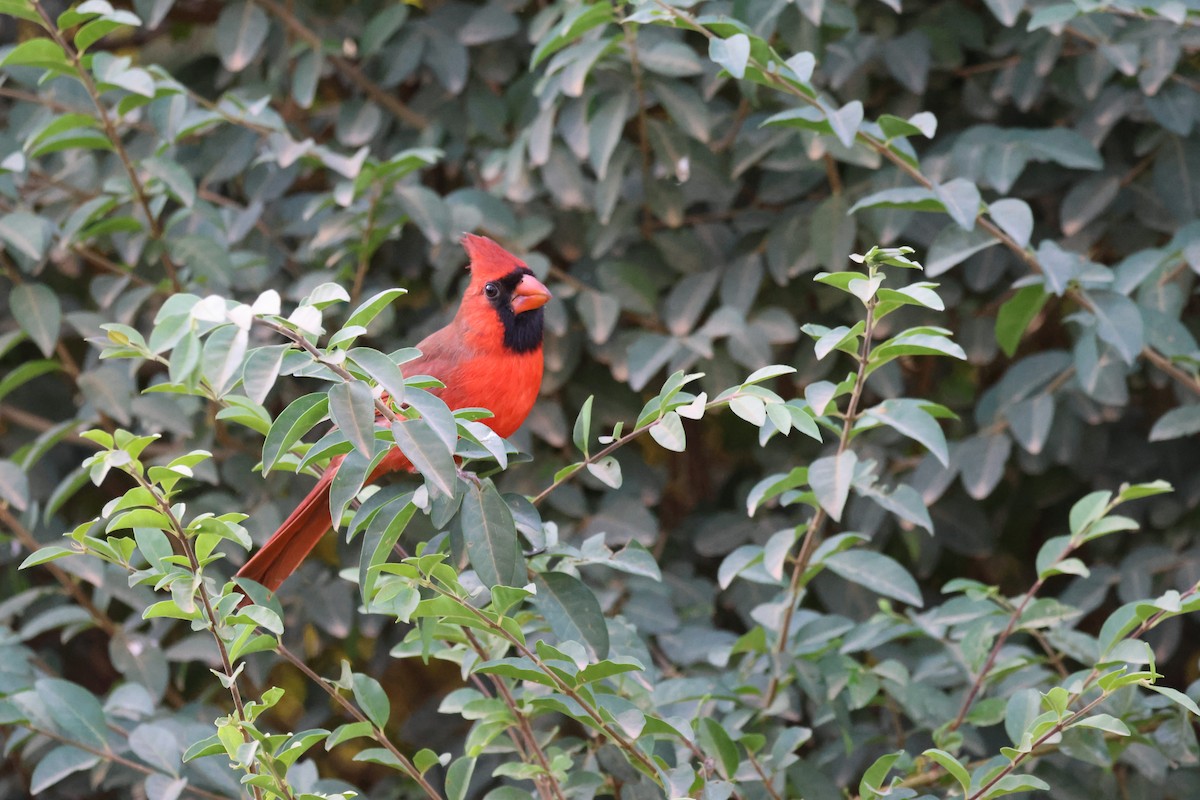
639 93
614 735
766 780
27 540
812 534
116 758
546 783
616 445
185 543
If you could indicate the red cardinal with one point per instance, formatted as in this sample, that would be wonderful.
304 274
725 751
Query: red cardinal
489 356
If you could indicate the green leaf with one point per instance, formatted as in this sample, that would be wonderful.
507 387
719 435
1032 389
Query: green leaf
607 470
458 778
830 478
846 121
22 9
261 370
577 21
962 201
877 572
490 536
953 245
383 532
1087 510
58 764
1104 722
732 54
606 668
952 765
383 370
296 420
371 698
241 30
1015 315
347 732
37 52
174 177
1176 696
1011 784
427 452
14 485
715 741
1140 490
873 778
581 433
922 124
67 709
28 234
604 130
352 409
668 431
1118 322
572 610
1014 218
909 418
914 198
1177 423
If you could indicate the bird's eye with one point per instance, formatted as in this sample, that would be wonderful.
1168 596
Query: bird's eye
492 291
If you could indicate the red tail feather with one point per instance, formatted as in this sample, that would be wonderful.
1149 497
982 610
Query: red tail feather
294 540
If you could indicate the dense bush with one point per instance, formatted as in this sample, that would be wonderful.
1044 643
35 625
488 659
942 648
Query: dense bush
773 536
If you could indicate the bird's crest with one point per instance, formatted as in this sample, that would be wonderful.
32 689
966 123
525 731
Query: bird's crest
489 260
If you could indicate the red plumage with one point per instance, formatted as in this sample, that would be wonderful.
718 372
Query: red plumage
490 356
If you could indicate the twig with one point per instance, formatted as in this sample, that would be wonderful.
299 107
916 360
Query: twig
606 728
116 758
600 455
184 542
27 540
639 92
546 783
812 533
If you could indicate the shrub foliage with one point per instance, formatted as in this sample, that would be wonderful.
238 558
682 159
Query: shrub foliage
786 521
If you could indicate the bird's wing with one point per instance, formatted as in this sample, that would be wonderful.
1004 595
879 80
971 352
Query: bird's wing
443 356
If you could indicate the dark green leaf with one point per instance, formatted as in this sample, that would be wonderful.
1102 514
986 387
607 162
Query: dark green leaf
296 420
877 572
352 409
490 536
572 610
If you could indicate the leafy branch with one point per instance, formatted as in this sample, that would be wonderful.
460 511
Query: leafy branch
774 78
375 731
212 621
629 747
114 136
814 529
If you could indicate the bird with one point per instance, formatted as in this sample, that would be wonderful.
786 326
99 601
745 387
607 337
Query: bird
489 356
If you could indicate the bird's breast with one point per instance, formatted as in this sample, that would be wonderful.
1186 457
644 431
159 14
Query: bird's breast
506 385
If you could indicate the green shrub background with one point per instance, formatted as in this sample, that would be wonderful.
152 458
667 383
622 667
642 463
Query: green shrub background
677 173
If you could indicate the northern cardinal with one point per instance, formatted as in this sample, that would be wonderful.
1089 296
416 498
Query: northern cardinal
489 356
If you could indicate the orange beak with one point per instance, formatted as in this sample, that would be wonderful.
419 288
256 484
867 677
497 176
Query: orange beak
529 294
